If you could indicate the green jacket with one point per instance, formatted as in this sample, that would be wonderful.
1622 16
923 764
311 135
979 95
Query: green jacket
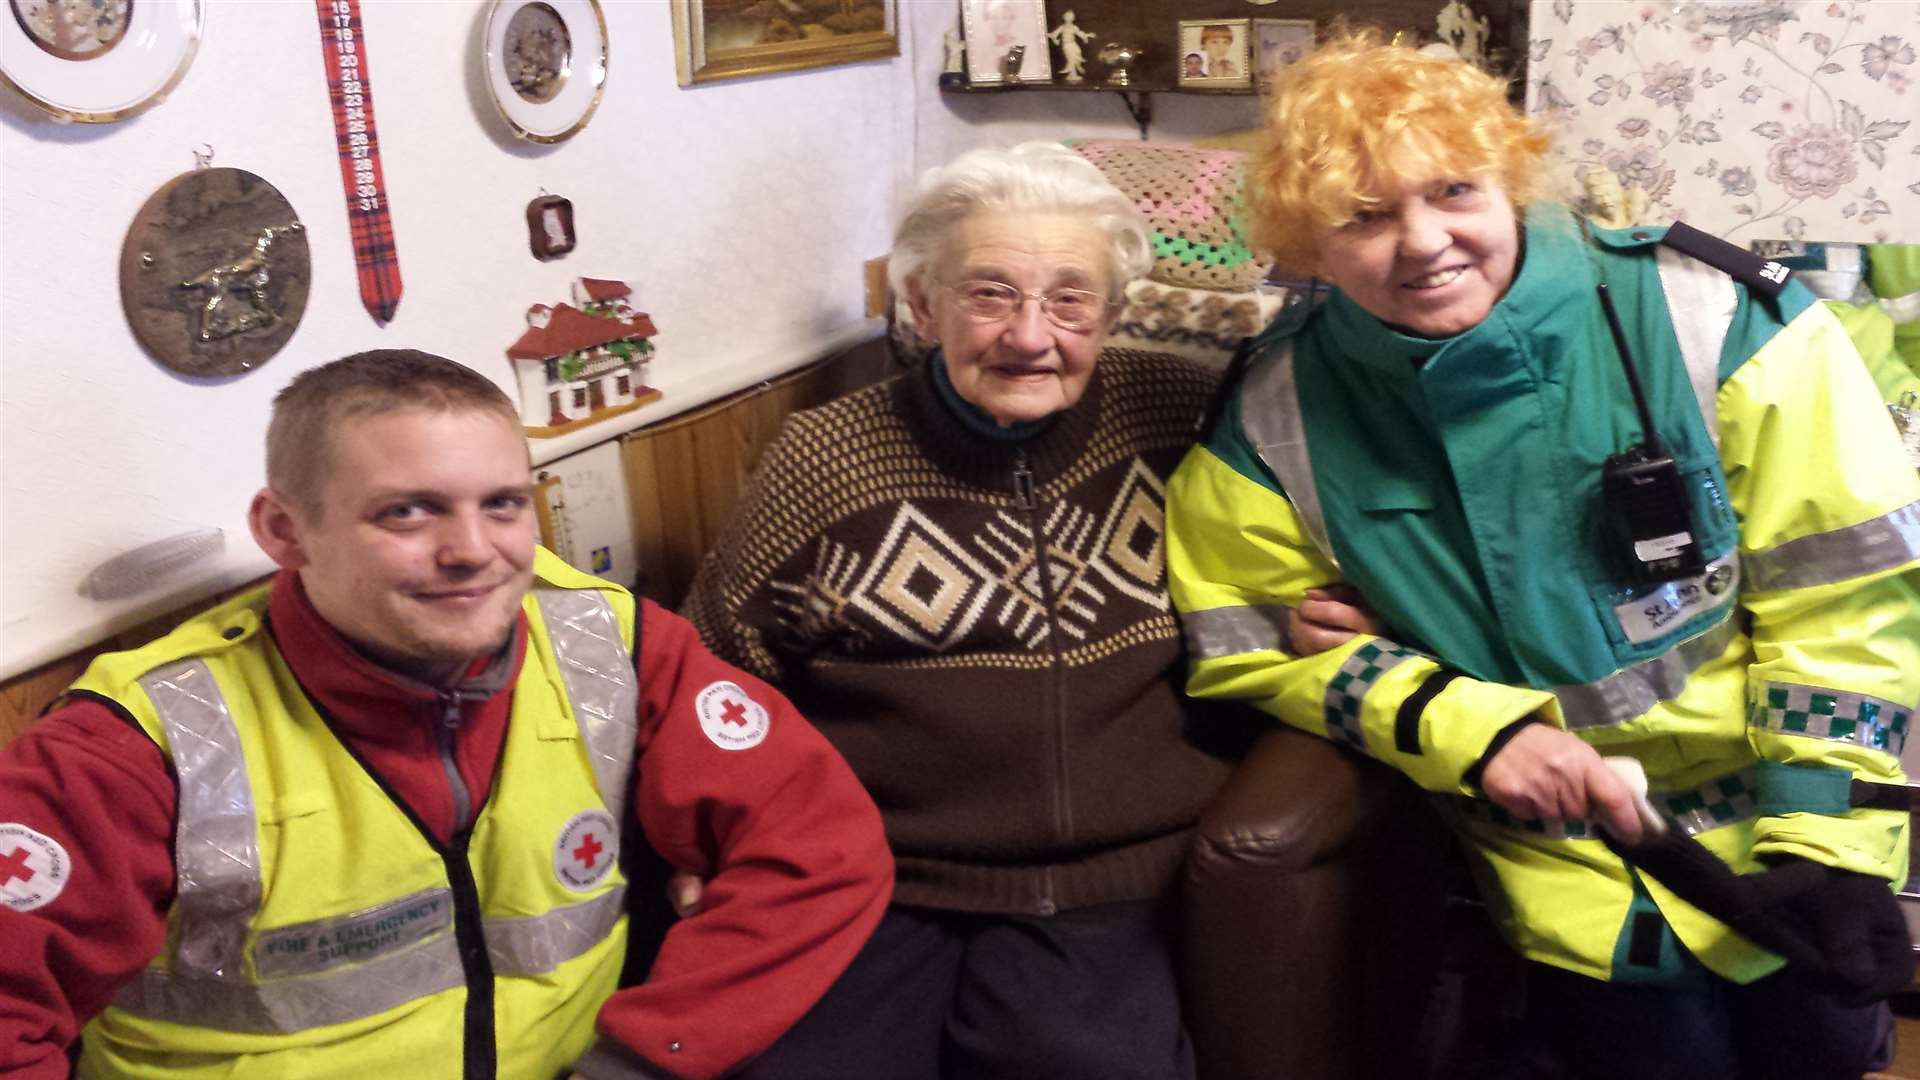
1456 483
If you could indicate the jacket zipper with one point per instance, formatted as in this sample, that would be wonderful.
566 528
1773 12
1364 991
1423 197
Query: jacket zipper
1024 493
446 729
481 1056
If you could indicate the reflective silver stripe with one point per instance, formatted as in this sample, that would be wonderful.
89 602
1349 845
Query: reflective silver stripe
1902 309
601 684
1700 305
1820 713
1270 412
536 944
1880 543
322 944
351 987
216 858
1348 688
1720 801
1630 692
1229 631
280 1006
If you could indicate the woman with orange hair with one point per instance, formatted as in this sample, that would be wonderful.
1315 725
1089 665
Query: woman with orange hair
1612 492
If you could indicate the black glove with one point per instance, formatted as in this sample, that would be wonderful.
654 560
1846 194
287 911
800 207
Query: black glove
1861 934
1840 930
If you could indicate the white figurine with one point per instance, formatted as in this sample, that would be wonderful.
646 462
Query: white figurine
1068 37
956 53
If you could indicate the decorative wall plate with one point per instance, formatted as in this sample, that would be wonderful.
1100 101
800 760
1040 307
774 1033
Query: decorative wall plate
546 63
214 272
97 61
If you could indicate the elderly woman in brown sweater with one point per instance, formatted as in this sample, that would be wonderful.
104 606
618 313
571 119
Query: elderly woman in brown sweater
959 577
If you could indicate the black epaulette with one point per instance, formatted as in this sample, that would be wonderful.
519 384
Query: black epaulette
1757 272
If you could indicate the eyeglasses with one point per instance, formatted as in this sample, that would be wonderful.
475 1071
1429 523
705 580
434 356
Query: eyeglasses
992 301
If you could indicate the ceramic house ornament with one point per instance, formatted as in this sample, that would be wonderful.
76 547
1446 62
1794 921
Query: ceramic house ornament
583 362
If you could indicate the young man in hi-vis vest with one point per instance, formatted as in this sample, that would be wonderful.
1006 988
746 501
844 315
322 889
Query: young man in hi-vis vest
376 818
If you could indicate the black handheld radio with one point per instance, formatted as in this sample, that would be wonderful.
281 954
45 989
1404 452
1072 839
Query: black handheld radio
1647 509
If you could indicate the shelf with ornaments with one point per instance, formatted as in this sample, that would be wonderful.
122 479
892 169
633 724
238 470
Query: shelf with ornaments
1137 49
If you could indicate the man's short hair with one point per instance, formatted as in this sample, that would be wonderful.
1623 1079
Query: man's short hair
372 383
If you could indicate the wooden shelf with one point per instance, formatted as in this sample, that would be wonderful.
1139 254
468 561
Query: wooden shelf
1136 95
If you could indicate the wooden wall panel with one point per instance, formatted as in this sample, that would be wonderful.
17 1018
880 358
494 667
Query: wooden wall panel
685 477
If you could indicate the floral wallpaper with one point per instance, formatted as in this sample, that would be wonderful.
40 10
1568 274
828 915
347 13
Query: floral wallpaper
1767 120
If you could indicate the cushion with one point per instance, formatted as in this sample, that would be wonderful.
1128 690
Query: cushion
1193 201
1202 325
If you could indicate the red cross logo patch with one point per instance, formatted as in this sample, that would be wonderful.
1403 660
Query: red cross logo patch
34 868
586 850
731 719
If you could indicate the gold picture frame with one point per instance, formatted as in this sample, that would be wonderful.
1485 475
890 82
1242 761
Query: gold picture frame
730 39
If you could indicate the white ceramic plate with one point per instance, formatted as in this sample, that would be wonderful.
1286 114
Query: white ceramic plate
96 61
546 63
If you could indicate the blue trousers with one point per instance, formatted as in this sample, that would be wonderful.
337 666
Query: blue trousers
1775 1029
1088 994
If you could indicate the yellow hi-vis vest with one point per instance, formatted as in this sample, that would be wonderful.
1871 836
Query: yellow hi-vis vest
317 931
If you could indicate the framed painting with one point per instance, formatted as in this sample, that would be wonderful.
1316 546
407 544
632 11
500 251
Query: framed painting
729 39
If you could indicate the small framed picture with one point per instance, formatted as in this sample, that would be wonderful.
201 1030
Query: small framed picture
550 227
1214 53
1277 43
994 28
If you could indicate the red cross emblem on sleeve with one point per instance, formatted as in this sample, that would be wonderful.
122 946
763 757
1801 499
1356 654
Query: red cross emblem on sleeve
730 717
34 868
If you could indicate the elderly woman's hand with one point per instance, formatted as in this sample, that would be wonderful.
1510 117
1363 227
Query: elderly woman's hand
1546 774
1330 617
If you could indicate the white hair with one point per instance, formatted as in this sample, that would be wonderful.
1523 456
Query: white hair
1033 177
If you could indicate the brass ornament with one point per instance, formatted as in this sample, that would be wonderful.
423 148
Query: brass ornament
214 272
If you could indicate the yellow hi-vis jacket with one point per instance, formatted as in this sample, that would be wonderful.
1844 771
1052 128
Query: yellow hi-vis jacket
316 930
1461 493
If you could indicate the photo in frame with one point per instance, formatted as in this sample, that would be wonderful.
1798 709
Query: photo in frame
993 27
729 39
1215 54
1277 43
550 226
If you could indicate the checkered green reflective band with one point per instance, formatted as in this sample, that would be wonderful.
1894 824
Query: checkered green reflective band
1723 800
1819 713
1349 686
1482 810
1720 801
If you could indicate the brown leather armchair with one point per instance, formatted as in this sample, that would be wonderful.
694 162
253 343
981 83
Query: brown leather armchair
1314 909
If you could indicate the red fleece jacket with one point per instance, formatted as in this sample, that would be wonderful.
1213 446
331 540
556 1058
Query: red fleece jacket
797 867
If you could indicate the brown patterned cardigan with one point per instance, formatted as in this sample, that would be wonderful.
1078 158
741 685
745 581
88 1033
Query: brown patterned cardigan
1013 707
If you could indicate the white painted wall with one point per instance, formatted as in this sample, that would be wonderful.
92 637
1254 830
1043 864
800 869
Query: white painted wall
740 211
